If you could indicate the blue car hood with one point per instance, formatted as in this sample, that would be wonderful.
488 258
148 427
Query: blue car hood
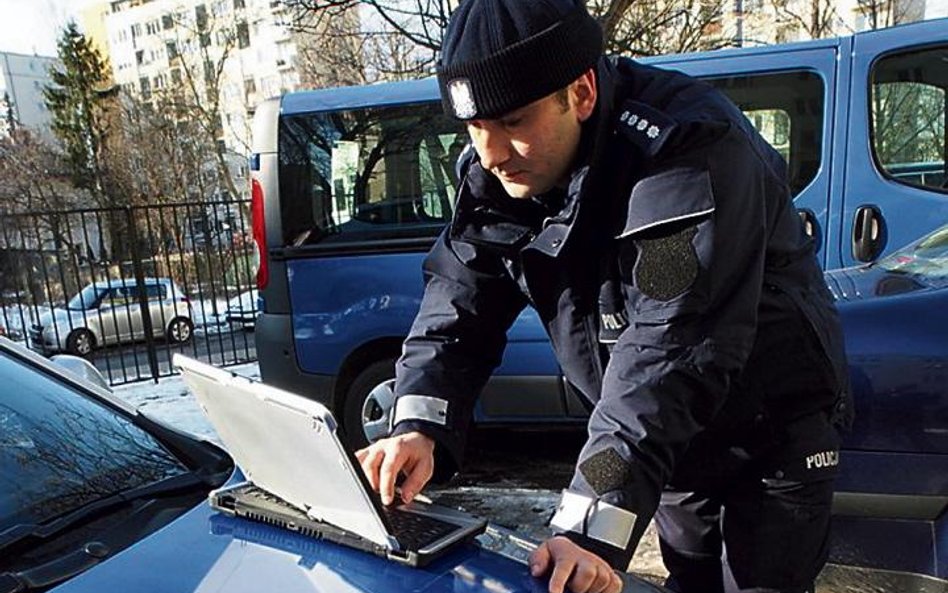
204 551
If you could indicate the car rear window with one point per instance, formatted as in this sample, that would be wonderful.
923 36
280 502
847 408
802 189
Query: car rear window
367 174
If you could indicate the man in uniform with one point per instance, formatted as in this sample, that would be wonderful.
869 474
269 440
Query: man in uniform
652 229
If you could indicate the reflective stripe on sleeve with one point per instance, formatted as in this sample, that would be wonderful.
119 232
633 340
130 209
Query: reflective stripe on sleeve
595 519
421 407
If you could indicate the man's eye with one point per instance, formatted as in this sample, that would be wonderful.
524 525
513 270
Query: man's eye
512 122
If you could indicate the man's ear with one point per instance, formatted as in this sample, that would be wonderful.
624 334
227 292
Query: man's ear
583 93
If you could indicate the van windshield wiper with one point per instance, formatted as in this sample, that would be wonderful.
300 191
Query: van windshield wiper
17 534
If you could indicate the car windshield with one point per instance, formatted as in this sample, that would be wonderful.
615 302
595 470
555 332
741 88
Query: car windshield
87 298
60 450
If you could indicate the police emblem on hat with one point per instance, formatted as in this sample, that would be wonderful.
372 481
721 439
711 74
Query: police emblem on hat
462 98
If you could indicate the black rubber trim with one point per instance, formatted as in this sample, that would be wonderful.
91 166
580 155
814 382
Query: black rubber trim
408 245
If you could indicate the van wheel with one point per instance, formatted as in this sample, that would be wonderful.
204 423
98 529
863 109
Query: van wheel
180 330
80 342
369 404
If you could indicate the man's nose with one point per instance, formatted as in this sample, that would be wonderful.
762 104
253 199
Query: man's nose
492 146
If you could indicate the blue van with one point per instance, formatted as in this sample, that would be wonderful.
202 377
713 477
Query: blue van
352 185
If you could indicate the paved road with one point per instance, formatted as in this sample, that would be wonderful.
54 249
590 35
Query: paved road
131 362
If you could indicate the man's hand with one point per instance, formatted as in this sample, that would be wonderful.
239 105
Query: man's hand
411 454
584 571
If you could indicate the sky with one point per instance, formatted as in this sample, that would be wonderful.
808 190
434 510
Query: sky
32 26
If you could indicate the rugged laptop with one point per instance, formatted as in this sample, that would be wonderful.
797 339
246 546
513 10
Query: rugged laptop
302 477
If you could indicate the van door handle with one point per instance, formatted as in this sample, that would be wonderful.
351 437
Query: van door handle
811 226
869 233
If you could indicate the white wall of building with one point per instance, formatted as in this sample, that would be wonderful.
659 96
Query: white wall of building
22 78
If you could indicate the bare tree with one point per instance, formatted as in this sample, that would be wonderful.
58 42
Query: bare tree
33 176
366 41
879 14
654 27
36 187
816 19
203 48
401 38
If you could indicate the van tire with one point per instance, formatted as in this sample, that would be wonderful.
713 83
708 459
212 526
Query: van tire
370 398
80 342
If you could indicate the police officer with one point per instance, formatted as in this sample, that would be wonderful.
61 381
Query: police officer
653 231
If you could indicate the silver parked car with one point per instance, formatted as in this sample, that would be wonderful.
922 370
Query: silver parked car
110 312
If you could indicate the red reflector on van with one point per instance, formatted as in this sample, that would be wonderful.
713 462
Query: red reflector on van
259 233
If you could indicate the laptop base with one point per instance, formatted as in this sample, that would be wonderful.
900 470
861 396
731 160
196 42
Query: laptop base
245 500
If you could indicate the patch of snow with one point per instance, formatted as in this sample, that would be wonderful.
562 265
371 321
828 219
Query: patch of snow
170 401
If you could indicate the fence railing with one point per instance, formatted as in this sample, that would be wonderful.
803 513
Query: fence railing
127 287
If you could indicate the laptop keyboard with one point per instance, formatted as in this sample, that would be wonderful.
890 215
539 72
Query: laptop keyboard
414 531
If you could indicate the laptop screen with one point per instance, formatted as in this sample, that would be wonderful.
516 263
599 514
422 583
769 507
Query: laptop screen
287 445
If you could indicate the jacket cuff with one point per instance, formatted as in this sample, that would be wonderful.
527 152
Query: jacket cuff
609 531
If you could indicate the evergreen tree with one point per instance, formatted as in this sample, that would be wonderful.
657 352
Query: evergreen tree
9 119
76 99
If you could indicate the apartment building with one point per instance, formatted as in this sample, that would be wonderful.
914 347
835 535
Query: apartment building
22 79
237 46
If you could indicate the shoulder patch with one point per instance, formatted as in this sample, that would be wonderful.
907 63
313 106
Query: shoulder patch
645 127
667 266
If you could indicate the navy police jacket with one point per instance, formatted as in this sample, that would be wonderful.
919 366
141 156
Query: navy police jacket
678 288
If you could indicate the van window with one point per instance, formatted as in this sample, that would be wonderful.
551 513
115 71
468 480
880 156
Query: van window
908 117
367 174
792 122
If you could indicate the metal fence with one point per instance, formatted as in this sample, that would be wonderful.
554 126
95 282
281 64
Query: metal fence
127 287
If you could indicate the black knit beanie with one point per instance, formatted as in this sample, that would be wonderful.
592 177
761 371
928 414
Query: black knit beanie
499 55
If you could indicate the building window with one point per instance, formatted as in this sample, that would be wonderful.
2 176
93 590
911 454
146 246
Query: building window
238 4
167 22
200 15
250 87
144 86
140 57
171 49
175 76
243 35
152 27
136 30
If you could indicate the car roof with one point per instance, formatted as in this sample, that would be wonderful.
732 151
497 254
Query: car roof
130 282
388 94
